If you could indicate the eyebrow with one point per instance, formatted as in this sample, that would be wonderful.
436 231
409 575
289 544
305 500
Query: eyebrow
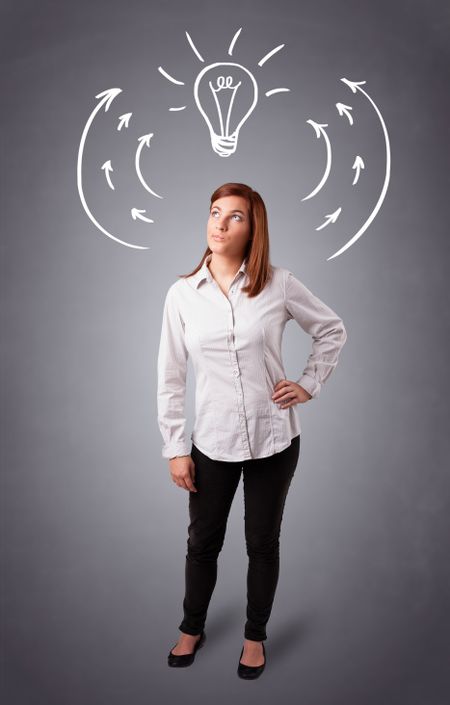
236 210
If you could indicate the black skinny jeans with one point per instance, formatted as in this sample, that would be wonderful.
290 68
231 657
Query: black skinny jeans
266 484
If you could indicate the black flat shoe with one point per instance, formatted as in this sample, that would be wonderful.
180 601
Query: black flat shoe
250 672
186 659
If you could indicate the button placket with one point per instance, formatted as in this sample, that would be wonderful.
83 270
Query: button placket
237 383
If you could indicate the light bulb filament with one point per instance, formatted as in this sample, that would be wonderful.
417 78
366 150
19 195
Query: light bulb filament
223 84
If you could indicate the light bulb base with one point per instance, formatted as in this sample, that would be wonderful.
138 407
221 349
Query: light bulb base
224 146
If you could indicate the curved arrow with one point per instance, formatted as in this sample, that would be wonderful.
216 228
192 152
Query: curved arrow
320 131
354 87
107 98
107 166
124 120
358 164
332 218
344 110
136 213
145 139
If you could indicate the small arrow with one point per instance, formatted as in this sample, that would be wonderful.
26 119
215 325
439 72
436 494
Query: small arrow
332 217
358 164
343 110
136 213
108 168
124 120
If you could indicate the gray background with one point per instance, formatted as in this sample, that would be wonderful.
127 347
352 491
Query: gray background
93 530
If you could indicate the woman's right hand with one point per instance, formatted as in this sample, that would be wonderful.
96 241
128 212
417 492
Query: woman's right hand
182 469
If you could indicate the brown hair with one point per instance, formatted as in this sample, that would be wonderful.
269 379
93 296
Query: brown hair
258 267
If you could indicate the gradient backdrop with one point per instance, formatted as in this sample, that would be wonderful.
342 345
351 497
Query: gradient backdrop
93 530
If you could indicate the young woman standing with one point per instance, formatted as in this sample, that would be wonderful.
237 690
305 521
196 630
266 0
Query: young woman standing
229 315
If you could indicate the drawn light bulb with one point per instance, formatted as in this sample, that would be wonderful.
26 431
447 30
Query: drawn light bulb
228 95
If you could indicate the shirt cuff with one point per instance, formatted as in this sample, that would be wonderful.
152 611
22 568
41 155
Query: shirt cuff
174 450
310 384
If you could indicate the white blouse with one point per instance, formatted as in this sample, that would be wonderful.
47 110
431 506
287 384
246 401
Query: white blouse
235 346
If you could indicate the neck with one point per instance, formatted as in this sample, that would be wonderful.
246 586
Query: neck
223 266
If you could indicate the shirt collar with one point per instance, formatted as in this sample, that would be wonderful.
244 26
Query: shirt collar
204 273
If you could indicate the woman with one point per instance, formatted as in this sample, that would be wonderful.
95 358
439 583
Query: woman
229 315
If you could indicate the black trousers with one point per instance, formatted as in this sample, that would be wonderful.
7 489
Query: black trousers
266 483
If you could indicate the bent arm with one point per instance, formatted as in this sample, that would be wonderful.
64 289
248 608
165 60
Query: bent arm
323 324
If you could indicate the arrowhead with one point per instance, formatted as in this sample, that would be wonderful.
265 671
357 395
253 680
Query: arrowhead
352 84
108 96
146 138
125 116
317 126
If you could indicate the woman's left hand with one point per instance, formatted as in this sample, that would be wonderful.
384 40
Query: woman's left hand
287 393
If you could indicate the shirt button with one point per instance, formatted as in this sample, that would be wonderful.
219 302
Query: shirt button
235 372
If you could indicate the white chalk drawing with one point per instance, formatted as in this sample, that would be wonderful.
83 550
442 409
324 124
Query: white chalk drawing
356 86
124 120
345 110
226 94
106 99
358 164
224 132
319 128
136 213
144 140
332 218
107 166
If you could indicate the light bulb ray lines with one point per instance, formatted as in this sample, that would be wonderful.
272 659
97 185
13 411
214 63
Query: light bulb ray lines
320 132
354 86
144 140
270 54
277 90
170 78
193 47
219 142
107 97
233 42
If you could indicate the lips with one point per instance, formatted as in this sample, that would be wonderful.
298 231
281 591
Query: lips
220 239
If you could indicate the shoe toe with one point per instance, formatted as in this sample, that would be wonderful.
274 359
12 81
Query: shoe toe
183 660
250 672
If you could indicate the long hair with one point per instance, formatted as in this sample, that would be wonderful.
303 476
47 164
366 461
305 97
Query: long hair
258 267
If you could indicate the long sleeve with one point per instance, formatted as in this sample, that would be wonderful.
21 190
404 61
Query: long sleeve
172 368
323 324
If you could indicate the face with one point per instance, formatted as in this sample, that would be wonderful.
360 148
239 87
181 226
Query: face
229 220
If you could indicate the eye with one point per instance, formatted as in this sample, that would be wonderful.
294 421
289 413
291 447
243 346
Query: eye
235 215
